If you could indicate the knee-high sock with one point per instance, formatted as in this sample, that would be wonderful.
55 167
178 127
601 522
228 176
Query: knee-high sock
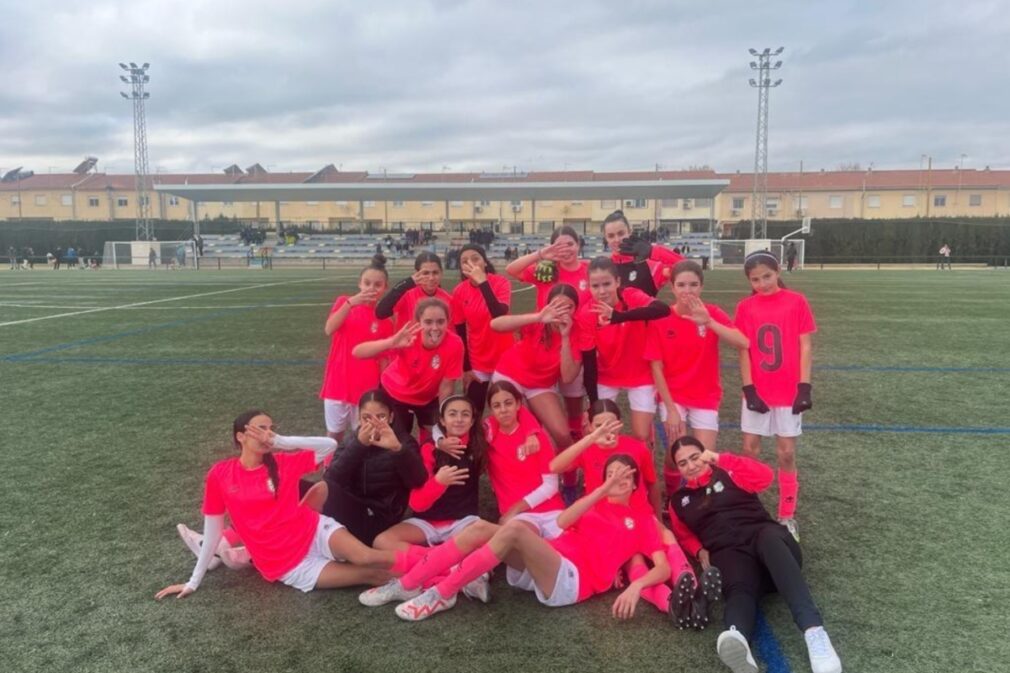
678 562
437 560
472 567
405 560
570 478
789 490
658 595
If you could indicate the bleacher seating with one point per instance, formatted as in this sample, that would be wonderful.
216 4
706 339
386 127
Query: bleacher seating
362 246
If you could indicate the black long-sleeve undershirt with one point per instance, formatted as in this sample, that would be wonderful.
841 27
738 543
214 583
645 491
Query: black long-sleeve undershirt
384 309
653 311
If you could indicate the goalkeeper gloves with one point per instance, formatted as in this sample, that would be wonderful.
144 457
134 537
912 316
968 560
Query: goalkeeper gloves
754 402
803 401
634 246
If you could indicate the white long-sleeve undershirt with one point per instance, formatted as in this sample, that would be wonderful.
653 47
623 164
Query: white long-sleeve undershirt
546 490
322 446
213 527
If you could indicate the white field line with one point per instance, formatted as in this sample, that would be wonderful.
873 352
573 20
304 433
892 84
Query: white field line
157 301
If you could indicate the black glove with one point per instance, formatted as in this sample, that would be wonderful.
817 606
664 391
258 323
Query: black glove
754 402
803 401
636 247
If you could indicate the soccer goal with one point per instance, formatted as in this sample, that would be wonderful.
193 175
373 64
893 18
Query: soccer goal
732 252
138 254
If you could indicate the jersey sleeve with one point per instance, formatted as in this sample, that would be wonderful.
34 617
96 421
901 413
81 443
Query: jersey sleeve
585 321
719 315
635 298
213 498
528 275
341 300
806 317
454 368
456 305
653 342
502 288
686 538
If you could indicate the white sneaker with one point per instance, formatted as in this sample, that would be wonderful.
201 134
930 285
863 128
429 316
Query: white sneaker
734 651
823 658
424 606
792 526
479 589
193 541
387 593
235 558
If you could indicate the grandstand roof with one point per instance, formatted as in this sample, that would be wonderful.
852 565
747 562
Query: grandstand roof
870 180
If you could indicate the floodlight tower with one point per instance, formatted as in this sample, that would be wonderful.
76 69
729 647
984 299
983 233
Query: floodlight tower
759 191
137 77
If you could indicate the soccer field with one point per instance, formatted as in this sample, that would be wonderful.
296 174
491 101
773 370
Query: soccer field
118 393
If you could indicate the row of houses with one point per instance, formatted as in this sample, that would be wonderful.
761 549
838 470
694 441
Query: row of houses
869 194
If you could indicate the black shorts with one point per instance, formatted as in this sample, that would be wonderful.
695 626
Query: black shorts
404 414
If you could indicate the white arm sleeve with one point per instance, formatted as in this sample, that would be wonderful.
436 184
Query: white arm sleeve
542 492
323 446
213 527
436 435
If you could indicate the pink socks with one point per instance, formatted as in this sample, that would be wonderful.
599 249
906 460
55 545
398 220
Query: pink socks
473 566
678 562
789 489
437 560
405 560
658 595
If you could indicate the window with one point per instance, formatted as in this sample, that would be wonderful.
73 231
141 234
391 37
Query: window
67 199
576 203
341 203
738 202
484 203
610 204
517 204
369 204
703 203
173 200
772 204
122 202
398 204
146 200
672 203
873 201
15 200
227 203
940 200
688 204
908 200
804 203
92 201
427 203
634 203
456 204
835 202
40 199
974 199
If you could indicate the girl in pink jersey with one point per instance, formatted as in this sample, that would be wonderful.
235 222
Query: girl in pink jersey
683 349
481 296
400 302
445 507
775 371
612 335
544 355
426 362
641 264
352 320
287 541
590 454
602 532
551 265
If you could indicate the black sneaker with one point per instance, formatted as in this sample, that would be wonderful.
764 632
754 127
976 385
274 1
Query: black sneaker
709 591
681 599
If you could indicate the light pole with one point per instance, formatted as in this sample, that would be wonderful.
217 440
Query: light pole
759 190
137 78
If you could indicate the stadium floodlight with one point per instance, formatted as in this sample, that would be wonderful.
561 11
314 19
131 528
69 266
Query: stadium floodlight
124 66
148 65
752 83
133 65
753 65
138 78
753 52
124 95
778 51
759 187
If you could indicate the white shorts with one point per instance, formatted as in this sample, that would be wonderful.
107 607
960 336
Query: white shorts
528 393
576 388
640 398
779 422
699 419
483 377
339 416
546 523
434 535
566 585
305 575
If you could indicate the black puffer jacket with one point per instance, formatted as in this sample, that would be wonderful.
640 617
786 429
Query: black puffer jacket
379 479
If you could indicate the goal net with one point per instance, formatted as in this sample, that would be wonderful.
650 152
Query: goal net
138 254
732 252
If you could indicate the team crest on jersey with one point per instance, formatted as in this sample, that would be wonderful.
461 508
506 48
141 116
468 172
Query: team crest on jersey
583 285
436 362
632 276
702 331
718 487
629 523
670 333
683 501
375 326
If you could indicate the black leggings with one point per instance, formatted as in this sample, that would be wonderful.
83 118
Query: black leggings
404 414
476 392
770 562
356 517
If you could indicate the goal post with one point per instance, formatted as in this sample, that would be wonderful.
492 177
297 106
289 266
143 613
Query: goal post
731 252
137 255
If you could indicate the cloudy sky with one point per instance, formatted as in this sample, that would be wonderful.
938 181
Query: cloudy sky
455 85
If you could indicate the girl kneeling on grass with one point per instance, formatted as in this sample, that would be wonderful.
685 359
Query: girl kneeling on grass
602 532
427 360
372 478
718 517
286 540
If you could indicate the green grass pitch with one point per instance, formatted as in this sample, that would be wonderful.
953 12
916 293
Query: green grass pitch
113 412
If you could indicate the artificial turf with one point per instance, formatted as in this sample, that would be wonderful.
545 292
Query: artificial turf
111 419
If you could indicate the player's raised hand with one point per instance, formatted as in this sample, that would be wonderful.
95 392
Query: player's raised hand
614 483
264 437
553 311
554 250
369 296
406 335
386 438
474 272
604 310
699 313
452 445
448 475
635 246
607 432
367 433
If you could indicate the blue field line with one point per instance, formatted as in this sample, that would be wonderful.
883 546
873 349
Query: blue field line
896 369
199 362
915 429
767 647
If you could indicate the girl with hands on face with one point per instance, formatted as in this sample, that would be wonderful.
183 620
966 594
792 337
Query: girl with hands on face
352 321
401 301
481 296
601 532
